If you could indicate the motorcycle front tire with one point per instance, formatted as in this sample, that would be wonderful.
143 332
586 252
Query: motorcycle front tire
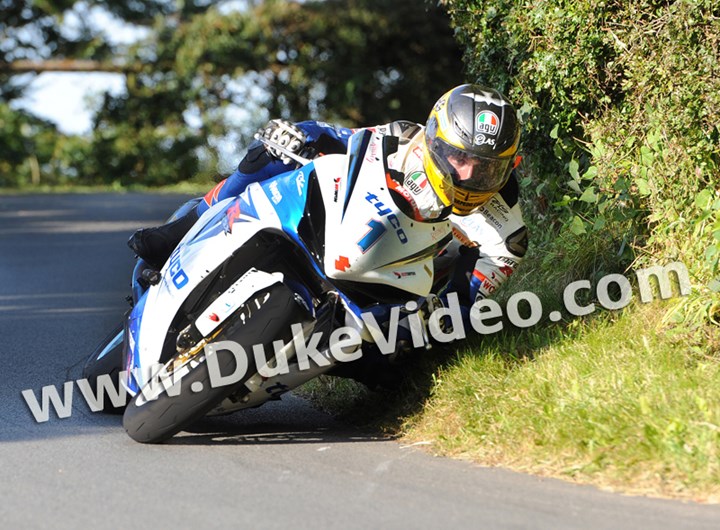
107 359
269 319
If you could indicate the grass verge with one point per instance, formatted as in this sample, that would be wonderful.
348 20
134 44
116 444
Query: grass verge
615 401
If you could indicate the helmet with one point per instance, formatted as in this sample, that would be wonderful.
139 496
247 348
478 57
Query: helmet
471 139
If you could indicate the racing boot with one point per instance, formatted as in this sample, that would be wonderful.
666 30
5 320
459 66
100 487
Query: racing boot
374 370
154 245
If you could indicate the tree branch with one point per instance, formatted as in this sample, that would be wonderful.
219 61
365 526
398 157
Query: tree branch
66 65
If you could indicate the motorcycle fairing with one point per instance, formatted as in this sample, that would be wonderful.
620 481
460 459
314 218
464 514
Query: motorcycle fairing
367 239
203 249
351 197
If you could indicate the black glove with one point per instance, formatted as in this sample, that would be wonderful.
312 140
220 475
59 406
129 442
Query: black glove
462 275
286 135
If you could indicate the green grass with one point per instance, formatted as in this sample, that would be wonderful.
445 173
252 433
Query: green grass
614 401
628 401
618 404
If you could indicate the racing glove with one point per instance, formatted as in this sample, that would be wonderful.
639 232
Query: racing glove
286 135
464 281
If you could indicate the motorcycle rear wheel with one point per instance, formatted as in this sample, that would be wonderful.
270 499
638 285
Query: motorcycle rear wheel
266 318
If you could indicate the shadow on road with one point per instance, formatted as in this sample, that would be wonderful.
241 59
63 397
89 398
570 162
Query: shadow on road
289 421
269 435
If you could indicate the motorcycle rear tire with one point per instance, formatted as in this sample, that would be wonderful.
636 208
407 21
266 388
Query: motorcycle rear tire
160 419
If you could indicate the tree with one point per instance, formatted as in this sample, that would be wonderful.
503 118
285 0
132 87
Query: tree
358 62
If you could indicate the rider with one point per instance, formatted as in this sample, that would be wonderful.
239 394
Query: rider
459 166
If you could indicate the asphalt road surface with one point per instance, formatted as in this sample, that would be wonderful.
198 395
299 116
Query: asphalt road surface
64 271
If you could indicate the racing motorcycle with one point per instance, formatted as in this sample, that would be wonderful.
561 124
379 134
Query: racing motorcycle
284 274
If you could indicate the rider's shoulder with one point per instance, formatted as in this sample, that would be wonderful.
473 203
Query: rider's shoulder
403 129
510 192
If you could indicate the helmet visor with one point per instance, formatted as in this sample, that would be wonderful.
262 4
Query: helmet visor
469 172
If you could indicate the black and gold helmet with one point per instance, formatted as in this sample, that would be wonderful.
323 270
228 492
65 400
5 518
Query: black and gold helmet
471 140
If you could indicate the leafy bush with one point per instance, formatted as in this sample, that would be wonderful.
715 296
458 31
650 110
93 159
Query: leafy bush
621 104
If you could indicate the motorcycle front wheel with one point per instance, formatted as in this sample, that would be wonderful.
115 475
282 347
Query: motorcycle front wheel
107 359
265 317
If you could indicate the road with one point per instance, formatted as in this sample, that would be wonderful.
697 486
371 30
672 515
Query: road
64 270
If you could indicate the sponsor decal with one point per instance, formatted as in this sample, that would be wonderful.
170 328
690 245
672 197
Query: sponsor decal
233 214
406 195
442 121
481 139
372 153
403 274
509 261
179 278
500 206
275 194
485 283
373 235
490 218
472 222
384 211
506 270
494 208
342 263
487 123
277 390
464 239
416 182
337 189
300 182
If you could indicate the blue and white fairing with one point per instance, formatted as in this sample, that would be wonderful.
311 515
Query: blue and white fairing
367 240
